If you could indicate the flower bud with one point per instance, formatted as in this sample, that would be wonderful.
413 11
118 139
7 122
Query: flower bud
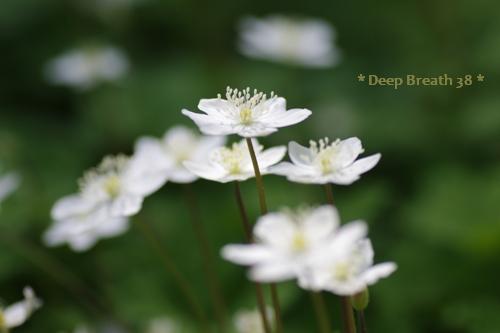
360 300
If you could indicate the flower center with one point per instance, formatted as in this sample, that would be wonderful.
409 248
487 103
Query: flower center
106 177
299 242
325 153
246 116
232 158
341 271
112 186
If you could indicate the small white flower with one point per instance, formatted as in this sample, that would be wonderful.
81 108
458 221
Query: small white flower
245 114
234 163
285 243
81 223
121 183
346 268
324 162
301 42
85 68
179 144
250 321
163 325
16 314
8 184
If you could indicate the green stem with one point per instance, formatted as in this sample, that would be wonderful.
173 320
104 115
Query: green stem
347 311
320 311
171 268
206 251
362 322
263 211
249 238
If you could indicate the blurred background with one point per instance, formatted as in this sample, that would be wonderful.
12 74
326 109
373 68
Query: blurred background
431 203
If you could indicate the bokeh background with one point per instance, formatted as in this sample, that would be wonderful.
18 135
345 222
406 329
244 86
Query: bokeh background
432 203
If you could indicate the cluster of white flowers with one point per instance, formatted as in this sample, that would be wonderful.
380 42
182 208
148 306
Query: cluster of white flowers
16 314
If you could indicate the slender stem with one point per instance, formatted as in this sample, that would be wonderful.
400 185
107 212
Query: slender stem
249 238
263 211
321 313
170 267
362 322
206 251
347 311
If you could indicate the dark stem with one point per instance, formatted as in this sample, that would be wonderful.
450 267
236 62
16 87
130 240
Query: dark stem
206 251
347 312
261 305
362 322
170 268
263 211
320 311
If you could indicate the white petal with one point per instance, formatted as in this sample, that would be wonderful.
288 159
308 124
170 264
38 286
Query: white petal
341 178
348 150
348 236
82 242
206 145
217 107
283 169
270 157
8 184
290 117
275 229
321 223
113 227
273 272
300 155
363 165
70 206
181 175
126 205
205 171
377 272
246 254
16 314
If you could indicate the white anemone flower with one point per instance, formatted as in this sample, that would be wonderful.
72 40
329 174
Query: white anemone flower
250 321
245 114
82 223
8 184
120 183
308 42
86 67
16 314
179 144
346 268
163 325
285 243
326 162
234 163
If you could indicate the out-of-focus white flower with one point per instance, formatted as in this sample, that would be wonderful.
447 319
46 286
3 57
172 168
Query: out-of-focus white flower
285 243
8 184
250 321
120 183
346 267
162 325
16 314
81 223
245 114
234 163
85 68
301 42
324 162
179 144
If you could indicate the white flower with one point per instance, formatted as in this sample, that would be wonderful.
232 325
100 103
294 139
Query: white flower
179 144
245 114
81 223
346 268
121 183
162 325
85 68
285 243
16 314
250 321
8 184
301 42
234 163
324 162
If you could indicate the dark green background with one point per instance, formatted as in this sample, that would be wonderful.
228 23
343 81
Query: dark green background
432 202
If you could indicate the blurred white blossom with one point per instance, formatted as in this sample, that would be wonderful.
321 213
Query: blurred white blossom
326 162
245 113
307 42
16 314
179 144
82 223
163 325
250 321
234 163
84 68
8 183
